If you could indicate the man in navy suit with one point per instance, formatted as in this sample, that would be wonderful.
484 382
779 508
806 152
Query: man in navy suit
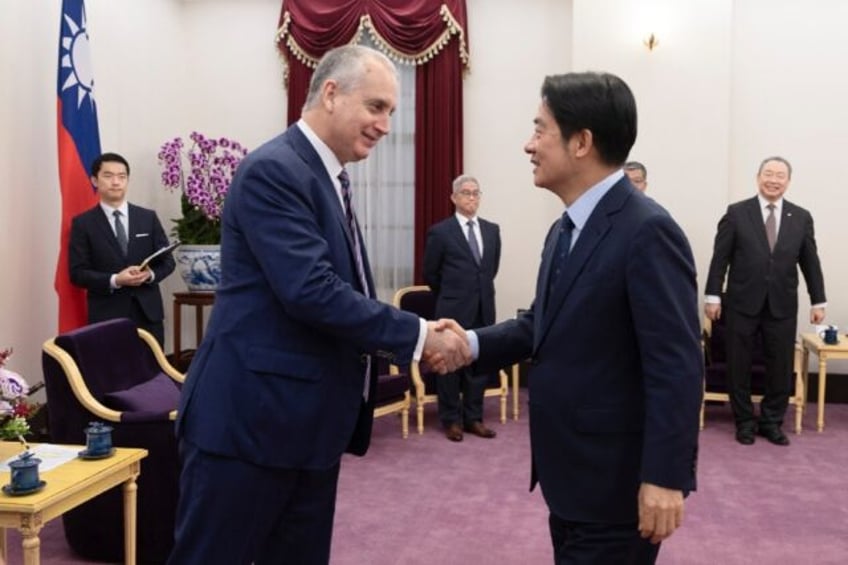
108 243
461 259
613 337
759 246
282 383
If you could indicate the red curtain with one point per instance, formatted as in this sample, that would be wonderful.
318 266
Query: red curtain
431 34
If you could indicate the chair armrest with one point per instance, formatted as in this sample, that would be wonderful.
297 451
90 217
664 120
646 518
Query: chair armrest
77 384
166 367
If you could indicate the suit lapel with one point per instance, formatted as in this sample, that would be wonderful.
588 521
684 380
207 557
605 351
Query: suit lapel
755 215
313 160
542 283
487 234
105 228
593 232
459 234
788 230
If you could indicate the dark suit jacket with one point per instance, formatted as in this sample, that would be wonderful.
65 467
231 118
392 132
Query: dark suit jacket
615 377
278 380
461 287
756 274
95 256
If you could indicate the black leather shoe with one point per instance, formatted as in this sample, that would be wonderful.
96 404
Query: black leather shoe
745 436
774 435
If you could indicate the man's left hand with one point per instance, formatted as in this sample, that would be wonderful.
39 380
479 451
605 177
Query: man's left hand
816 315
660 511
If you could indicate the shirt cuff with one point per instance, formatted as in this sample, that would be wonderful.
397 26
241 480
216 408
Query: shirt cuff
473 343
712 299
113 282
422 337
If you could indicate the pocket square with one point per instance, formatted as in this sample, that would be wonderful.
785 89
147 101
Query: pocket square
142 235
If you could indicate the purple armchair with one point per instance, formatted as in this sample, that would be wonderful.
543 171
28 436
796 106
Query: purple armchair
421 301
116 373
392 395
715 371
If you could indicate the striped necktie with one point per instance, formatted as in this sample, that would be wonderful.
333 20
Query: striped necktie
344 179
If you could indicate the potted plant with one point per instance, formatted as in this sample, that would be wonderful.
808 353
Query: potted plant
202 174
16 411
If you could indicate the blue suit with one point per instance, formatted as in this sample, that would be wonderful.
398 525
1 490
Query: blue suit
277 384
615 377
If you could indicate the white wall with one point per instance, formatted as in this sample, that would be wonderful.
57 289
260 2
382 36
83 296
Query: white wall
501 96
731 82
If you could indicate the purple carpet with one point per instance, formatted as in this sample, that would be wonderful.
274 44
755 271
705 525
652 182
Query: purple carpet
425 500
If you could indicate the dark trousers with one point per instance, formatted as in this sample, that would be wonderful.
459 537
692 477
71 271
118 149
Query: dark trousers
471 387
156 328
579 543
237 513
778 348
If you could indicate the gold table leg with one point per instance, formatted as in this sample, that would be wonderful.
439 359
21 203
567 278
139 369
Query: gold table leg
515 379
130 500
822 384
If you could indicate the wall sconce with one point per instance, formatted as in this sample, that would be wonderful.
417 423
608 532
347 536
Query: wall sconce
651 42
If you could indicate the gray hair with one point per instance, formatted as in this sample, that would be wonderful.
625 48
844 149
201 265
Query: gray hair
462 179
346 66
636 166
779 160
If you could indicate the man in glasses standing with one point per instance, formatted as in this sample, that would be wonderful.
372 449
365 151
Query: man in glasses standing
461 258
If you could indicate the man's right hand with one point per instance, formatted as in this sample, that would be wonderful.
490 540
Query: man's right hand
712 311
132 276
445 347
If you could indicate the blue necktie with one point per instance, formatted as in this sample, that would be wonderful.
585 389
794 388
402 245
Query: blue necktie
561 251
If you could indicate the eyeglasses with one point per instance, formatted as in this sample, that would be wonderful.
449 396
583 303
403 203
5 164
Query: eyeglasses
471 193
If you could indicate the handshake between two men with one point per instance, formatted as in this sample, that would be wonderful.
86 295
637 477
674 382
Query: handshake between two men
446 347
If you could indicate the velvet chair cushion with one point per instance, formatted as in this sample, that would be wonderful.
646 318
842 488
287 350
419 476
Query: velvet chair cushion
158 395
391 388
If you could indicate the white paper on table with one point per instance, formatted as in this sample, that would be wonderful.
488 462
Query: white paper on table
52 455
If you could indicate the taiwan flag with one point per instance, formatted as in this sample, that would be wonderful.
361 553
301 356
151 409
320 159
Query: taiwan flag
79 145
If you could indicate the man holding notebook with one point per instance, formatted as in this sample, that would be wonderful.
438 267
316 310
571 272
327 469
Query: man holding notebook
110 242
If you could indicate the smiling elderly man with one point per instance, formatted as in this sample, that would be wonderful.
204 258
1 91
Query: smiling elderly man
760 244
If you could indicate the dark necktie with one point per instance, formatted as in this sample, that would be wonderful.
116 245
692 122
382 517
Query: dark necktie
771 227
472 242
344 179
120 232
561 251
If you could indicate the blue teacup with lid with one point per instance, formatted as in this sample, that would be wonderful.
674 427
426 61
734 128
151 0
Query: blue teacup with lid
830 335
98 439
25 472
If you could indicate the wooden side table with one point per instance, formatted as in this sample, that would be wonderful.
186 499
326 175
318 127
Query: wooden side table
198 300
68 486
812 343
